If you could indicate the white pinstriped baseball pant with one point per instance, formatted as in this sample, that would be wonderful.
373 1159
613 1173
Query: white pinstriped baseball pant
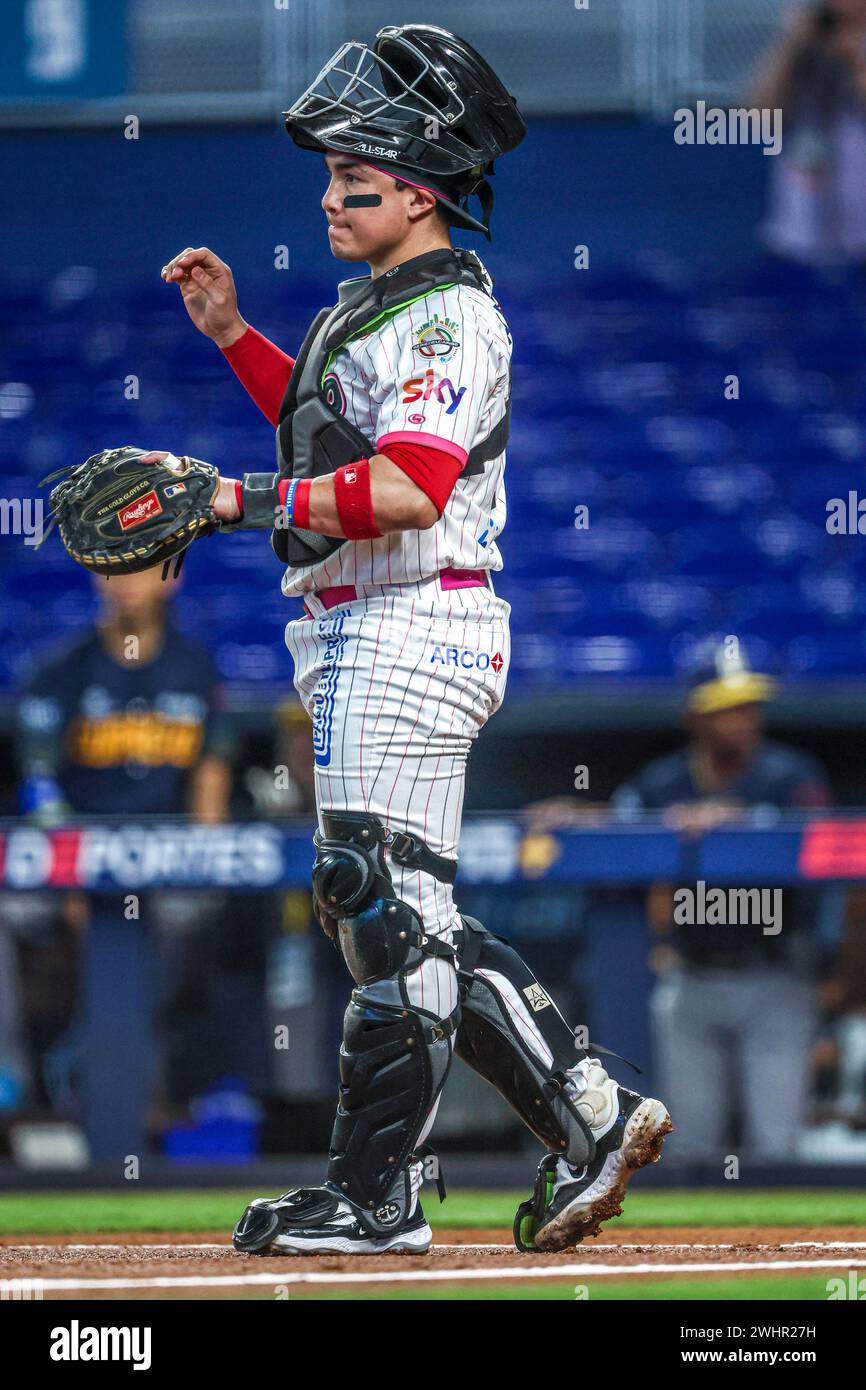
398 685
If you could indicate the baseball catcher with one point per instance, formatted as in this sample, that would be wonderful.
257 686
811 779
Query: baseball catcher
385 509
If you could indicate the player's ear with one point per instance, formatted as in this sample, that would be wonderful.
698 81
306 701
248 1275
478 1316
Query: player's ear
421 203
419 200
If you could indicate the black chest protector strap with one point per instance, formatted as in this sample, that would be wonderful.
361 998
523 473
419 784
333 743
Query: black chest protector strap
313 438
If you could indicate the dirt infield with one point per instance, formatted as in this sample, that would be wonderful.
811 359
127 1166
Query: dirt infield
201 1264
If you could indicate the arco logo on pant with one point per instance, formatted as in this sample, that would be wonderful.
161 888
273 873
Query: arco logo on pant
466 658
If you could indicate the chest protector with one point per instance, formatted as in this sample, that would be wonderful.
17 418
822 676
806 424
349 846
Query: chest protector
313 438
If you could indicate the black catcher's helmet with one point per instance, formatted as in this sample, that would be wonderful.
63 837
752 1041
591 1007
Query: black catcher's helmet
421 104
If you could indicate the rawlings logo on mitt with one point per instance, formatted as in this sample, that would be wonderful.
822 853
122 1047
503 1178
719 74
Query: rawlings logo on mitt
117 515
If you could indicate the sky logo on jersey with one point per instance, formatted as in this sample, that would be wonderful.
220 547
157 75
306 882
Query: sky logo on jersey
466 658
421 388
437 338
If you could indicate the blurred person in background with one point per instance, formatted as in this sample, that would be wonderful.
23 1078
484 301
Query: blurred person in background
304 977
815 72
839 1059
124 718
288 787
15 1077
733 1014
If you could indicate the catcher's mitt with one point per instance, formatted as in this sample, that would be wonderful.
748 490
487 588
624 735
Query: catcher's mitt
117 515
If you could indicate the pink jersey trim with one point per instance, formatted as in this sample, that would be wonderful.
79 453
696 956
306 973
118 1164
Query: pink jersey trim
338 593
449 578
417 437
462 579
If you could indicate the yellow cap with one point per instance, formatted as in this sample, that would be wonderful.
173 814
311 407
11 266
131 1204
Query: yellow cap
726 692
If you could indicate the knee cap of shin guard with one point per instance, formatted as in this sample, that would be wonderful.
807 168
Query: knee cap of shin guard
349 868
343 877
380 941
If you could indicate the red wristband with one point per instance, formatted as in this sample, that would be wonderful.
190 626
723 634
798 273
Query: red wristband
239 498
354 502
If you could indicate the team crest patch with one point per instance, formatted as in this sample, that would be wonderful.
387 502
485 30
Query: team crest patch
334 393
437 338
139 511
538 1000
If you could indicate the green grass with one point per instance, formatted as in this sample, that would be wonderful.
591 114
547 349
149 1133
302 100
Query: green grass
89 1213
663 1290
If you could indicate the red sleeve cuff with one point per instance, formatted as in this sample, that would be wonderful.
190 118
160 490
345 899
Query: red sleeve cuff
434 471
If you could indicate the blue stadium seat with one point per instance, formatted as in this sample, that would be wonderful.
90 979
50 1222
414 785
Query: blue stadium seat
704 512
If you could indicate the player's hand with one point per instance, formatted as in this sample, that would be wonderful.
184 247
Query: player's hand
209 294
225 504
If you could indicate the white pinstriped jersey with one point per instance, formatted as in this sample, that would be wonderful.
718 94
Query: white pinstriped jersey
435 373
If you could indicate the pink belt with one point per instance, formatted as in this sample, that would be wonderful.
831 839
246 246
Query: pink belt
449 578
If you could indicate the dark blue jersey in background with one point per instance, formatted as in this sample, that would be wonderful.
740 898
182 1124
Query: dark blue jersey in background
121 739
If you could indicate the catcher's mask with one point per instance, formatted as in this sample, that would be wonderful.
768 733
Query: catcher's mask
421 105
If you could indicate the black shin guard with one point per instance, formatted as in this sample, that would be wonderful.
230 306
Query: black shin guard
394 1057
490 1041
393 1064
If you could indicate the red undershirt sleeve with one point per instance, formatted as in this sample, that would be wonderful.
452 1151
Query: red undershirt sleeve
433 470
263 370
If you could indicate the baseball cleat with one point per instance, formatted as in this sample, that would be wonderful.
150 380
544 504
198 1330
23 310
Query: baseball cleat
321 1221
568 1204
